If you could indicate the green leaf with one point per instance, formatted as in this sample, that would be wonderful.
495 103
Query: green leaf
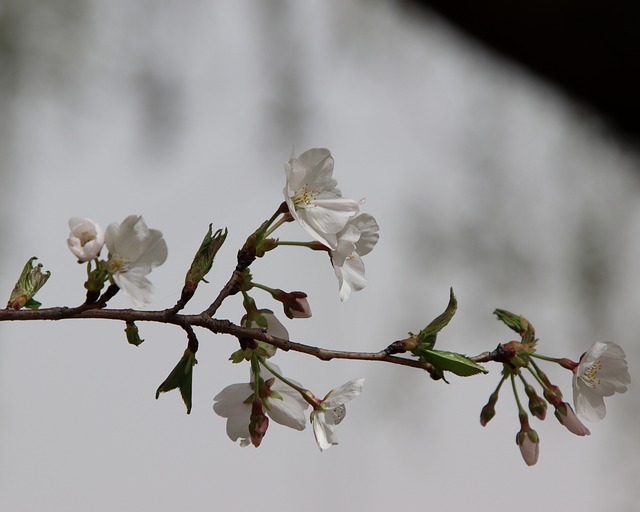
427 336
518 323
30 281
203 260
452 362
133 335
181 377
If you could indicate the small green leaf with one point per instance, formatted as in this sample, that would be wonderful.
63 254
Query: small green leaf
452 362
30 281
181 377
133 335
518 323
427 336
203 260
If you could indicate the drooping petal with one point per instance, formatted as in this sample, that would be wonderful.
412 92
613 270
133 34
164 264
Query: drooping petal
324 433
289 410
137 287
350 276
588 404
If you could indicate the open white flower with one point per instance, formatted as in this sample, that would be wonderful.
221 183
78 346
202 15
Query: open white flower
313 197
602 371
134 250
331 411
283 405
356 239
85 239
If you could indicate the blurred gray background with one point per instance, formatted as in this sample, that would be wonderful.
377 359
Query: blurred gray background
481 175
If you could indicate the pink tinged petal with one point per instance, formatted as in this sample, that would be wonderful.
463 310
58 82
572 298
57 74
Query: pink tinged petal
303 309
343 394
568 418
529 449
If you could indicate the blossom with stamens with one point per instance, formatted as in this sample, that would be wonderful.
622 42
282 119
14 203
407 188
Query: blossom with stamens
601 371
313 198
134 250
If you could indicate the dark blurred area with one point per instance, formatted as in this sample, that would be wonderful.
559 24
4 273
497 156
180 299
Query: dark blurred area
590 49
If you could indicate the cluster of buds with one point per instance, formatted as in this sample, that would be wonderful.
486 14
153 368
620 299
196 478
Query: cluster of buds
601 371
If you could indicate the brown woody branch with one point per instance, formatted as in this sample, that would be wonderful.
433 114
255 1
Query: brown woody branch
216 326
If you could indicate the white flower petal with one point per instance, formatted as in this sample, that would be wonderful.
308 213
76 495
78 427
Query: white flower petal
588 404
350 276
344 393
289 411
369 233
325 434
86 238
137 287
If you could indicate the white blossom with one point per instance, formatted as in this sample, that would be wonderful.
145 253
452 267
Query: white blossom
331 411
602 371
313 198
134 250
282 404
85 239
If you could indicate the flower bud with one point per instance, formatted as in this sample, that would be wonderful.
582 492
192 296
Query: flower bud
489 410
258 423
568 418
537 405
529 444
295 304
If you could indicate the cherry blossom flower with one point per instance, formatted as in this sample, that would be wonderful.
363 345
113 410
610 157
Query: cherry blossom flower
281 403
331 411
86 239
356 239
313 197
602 371
134 250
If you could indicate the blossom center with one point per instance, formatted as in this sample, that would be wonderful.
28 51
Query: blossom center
590 375
118 264
86 237
306 197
